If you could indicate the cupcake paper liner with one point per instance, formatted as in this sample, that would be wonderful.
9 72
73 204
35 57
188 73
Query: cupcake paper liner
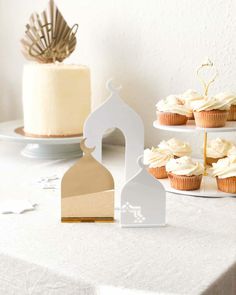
211 119
191 117
171 119
158 172
227 185
185 183
232 113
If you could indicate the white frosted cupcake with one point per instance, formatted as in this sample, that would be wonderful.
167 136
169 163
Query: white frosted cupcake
184 173
217 149
225 172
230 97
176 147
189 97
156 160
210 112
172 111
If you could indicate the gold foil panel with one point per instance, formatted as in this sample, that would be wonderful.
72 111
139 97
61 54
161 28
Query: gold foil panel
87 191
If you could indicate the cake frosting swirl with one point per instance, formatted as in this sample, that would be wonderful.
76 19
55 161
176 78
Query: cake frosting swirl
224 168
173 104
232 151
218 148
156 157
184 166
176 147
190 95
210 104
229 97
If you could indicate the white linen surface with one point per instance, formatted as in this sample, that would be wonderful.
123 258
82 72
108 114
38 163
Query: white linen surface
194 254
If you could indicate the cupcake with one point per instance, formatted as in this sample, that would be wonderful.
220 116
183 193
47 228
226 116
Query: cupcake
217 149
210 112
189 97
225 172
172 111
231 99
176 147
156 160
184 173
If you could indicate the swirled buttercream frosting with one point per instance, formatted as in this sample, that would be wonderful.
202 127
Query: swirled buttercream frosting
156 157
232 151
184 166
218 148
190 95
176 147
229 97
173 104
210 104
224 168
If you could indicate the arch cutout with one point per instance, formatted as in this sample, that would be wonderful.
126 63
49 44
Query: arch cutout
113 158
114 113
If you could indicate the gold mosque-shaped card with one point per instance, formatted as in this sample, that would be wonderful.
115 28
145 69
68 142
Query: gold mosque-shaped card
87 191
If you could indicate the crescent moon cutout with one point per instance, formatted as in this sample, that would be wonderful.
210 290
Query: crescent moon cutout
110 86
140 162
84 148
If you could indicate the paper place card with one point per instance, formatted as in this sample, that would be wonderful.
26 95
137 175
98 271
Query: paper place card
48 182
16 206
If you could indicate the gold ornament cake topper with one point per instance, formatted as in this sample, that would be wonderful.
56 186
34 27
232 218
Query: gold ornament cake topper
48 38
207 64
206 84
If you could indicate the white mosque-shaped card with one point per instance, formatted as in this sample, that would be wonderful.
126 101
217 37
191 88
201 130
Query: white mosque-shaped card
115 113
143 200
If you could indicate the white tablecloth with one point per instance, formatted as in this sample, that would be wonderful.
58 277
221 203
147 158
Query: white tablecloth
194 254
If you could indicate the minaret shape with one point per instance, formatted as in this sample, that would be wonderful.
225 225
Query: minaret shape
115 113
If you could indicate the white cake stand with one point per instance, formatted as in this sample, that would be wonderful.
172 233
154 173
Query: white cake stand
41 148
208 186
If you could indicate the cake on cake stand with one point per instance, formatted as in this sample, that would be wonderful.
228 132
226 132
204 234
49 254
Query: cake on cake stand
208 186
38 147
41 147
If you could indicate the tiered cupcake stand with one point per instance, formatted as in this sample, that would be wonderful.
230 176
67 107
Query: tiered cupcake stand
208 186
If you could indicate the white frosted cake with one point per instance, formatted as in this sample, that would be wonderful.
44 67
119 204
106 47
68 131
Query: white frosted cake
56 99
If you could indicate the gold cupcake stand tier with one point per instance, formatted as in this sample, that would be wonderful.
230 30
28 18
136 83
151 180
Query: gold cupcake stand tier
208 186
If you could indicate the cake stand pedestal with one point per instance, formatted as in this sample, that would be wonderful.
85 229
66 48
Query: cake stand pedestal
41 148
49 151
208 186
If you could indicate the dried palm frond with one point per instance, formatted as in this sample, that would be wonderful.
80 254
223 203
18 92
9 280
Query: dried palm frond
48 38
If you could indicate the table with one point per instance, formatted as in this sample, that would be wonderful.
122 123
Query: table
194 254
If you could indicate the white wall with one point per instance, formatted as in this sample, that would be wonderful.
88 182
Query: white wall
151 47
